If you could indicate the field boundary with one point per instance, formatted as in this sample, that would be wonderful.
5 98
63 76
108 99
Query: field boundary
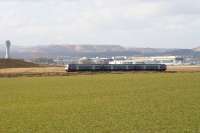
59 71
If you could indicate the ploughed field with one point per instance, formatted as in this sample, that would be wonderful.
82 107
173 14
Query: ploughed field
102 103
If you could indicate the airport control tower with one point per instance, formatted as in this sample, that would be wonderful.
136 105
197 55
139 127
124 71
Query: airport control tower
8 45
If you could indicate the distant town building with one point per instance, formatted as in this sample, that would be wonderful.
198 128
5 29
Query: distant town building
119 58
97 60
44 61
122 62
192 60
168 60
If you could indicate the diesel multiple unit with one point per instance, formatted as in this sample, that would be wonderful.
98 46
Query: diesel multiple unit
115 67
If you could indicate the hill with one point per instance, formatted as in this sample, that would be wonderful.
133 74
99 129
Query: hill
14 63
53 51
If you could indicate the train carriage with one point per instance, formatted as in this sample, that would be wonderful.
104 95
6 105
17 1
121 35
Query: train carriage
115 67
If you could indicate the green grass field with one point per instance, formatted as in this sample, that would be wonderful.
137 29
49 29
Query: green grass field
102 103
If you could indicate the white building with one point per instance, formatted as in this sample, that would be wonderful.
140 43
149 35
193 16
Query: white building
122 62
168 60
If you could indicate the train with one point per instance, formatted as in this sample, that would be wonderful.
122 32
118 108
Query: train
115 67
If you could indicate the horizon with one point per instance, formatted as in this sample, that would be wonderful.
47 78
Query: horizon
130 23
2 45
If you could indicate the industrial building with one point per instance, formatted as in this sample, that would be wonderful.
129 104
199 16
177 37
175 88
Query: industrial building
168 60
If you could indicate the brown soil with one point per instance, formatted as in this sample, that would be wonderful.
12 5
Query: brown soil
34 71
14 63
183 68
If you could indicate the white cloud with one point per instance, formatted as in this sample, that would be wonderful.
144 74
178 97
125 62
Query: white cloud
141 23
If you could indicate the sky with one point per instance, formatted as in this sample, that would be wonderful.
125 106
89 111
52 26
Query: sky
130 23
